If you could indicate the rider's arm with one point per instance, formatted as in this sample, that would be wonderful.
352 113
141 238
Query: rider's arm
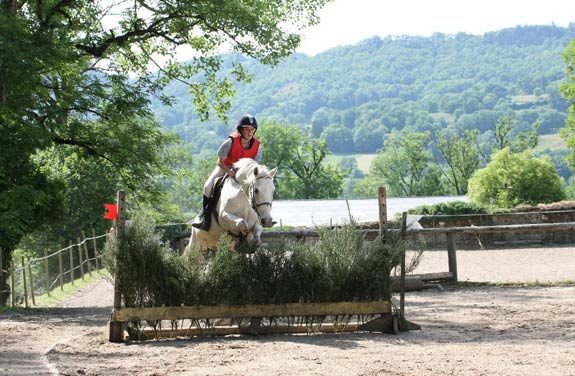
230 171
258 156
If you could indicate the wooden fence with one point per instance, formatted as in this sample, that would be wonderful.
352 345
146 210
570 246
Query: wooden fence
30 277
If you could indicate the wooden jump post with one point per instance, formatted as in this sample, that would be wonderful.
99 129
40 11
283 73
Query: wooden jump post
116 329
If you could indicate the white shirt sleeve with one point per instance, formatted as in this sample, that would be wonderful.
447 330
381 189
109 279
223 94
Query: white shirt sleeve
225 149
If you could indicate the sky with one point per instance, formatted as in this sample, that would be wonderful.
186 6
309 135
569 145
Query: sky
346 22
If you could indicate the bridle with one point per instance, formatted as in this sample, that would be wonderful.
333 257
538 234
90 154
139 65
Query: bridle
251 196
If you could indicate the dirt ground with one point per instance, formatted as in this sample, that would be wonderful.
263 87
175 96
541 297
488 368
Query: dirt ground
466 330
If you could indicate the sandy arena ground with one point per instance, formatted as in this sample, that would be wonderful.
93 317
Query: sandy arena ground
467 330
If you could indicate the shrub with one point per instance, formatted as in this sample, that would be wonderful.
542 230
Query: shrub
511 179
449 208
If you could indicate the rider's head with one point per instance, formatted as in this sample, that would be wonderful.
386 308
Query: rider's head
247 121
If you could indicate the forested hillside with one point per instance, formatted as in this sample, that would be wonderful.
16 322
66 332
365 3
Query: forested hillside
353 96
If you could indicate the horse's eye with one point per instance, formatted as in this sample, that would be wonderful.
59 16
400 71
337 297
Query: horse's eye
256 191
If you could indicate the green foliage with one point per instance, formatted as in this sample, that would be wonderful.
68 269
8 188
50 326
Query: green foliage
299 158
340 266
522 141
460 156
511 179
449 208
403 166
568 92
75 88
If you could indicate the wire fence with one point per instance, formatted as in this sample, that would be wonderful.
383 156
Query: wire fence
27 278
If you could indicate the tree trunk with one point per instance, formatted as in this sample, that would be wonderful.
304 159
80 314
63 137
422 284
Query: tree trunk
4 287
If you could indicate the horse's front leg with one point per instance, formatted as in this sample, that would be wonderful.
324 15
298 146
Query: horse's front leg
254 236
233 223
257 234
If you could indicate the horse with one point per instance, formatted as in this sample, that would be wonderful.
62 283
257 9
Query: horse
244 206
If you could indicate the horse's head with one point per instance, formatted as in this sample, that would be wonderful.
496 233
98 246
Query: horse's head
258 183
262 194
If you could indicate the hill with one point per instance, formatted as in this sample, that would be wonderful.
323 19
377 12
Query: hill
353 96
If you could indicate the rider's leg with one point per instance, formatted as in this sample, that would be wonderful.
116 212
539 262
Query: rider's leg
204 220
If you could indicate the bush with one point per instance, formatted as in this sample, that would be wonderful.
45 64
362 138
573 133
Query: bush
449 208
511 179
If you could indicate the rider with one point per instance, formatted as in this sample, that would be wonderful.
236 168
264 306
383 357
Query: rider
240 144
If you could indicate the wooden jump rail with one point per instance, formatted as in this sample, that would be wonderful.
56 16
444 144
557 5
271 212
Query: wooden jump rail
387 322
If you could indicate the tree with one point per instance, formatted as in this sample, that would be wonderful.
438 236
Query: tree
511 179
70 78
568 92
319 121
338 138
459 157
302 172
403 166
522 141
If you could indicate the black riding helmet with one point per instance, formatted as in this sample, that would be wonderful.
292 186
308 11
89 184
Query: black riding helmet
247 120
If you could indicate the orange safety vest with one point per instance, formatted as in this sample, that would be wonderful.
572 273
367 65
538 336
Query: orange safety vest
237 152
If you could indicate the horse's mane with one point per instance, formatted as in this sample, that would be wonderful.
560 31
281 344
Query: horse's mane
246 166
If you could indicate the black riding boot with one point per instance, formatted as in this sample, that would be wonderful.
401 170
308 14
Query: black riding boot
205 218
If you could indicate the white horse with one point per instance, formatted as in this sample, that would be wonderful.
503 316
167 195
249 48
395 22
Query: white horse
243 208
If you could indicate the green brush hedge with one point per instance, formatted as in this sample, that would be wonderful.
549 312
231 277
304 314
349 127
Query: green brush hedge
340 266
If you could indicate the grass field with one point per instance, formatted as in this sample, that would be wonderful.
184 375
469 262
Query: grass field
550 141
363 160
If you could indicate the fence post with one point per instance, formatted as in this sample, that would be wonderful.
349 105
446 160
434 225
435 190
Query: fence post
71 256
382 205
46 272
402 277
451 255
95 249
24 280
80 261
31 279
12 287
86 253
61 265
116 329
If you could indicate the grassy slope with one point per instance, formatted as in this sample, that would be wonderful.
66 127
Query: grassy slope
363 160
550 141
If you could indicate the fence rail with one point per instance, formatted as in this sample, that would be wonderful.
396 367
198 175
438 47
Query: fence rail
30 277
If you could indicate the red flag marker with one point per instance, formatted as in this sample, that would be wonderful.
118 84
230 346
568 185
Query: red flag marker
111 211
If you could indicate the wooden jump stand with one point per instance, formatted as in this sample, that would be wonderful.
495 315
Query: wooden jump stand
389 320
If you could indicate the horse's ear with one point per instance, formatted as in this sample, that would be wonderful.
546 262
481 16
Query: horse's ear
256 172
273 172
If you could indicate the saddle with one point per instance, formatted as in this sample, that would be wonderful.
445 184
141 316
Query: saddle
217 189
